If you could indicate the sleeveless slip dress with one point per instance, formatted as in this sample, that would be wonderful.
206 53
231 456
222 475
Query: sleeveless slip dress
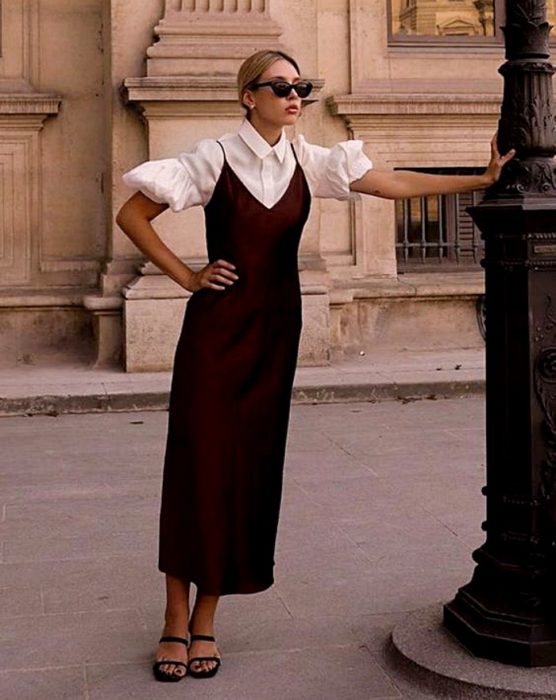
230 397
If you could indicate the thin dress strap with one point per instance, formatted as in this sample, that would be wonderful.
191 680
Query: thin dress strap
223 151
294 153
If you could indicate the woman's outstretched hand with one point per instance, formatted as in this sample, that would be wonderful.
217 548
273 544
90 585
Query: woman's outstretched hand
497 162
217 275
404 184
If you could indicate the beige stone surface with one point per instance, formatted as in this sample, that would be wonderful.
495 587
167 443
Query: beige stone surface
18 64
153 313
364 326
67 135
314 349
151 330
51 334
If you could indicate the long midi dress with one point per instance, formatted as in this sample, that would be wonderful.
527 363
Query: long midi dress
236 356
230 395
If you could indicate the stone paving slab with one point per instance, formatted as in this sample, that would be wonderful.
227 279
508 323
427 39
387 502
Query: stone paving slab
295 674
64 683
369 377
368 534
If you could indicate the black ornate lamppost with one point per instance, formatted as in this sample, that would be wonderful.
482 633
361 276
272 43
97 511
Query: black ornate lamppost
507 611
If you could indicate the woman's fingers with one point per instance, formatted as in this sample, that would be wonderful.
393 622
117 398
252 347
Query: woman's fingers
223 279
497 161
509 155
224 263
218 275
222 272
494 144
495 153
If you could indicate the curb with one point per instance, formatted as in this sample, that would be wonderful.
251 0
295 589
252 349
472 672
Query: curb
405 392
158 400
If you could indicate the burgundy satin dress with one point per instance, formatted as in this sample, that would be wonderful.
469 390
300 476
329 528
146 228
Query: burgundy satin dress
230 397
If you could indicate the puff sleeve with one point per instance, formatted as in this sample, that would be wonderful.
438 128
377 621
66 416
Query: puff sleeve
186 181
330 171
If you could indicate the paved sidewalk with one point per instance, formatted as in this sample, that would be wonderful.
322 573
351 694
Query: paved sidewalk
381 375
381 510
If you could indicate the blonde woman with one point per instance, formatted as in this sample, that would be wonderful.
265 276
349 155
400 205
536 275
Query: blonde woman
236 356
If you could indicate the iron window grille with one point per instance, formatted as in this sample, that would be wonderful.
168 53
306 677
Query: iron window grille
436 232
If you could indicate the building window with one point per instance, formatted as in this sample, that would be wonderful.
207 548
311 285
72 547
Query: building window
436 233
450 21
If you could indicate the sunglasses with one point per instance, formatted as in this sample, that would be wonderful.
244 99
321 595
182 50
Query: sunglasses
281 88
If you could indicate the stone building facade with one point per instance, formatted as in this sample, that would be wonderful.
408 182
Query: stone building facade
90 88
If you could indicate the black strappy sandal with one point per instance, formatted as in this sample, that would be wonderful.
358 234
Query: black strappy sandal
164 676
204 674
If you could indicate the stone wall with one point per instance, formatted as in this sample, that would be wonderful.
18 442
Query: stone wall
90 88
53 161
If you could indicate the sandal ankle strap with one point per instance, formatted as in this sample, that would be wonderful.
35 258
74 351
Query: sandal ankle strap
202 638
170 638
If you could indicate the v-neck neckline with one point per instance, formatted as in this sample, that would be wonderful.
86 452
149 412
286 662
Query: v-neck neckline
262 204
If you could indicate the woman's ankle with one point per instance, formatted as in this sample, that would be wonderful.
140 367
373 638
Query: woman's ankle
203 615
176 623
205 627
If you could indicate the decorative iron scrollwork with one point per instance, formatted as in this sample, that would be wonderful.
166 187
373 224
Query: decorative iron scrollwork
527 31
527 116
546 365
527 177
545 388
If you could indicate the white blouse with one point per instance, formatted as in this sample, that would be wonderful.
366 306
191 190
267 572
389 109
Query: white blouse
265 170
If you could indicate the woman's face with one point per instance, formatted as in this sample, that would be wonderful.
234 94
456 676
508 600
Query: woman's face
268 108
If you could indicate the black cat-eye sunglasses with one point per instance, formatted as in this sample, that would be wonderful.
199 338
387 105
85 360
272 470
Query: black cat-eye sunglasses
281 88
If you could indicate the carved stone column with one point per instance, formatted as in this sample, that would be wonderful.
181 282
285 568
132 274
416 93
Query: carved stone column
190 93
507 611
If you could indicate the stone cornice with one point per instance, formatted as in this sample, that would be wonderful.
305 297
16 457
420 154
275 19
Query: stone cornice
192 27
179 88
367 104
418 286
97 302
174 88
36 299
29 103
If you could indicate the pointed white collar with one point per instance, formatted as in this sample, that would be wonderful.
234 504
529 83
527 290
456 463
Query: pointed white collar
258 145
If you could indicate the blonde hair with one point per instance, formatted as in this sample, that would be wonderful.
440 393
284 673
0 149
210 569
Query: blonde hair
254 66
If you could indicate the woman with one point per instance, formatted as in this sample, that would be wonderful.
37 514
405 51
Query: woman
235 360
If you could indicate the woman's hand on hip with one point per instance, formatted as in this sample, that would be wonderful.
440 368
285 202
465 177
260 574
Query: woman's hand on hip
217 275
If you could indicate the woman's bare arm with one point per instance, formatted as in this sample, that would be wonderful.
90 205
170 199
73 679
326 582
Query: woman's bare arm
400 184
134 218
